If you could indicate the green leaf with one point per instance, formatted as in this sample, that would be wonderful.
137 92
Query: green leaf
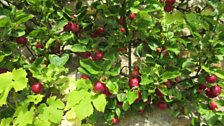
34 2
83 84
79 48
24 117
6 122
49 42
35 98
58 61
74 98
125 105
206 68
90 66
19 79
132 96
4 20
145 80
84 109
99 102
170 75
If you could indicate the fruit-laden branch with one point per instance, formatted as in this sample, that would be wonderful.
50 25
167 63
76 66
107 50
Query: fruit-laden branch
126 33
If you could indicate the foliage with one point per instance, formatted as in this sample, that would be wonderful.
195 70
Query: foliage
177 46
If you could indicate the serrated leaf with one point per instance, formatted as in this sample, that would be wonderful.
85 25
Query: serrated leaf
170 75
83 84
35 98
145 80
49 42
24 117
132 96
79 48
99 102
59 61
90 66
19 79
74 98
6 122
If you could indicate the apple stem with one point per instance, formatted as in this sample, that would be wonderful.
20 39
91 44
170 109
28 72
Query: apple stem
199 68
126 33
34 57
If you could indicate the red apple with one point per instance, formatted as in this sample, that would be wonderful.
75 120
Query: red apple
171 2
199 91
99 87
122 29
3 70
77 28
132 16
37 88
98 55
84 76
168 84
69 27
84 54
159 93
215 90
94 35
115 120
211 79
133 82
119 103
202 86
100 30
162 105
21 40
213 105
39 46
208 93
168 8
107 92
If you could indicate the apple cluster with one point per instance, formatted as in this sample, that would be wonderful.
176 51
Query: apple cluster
95 55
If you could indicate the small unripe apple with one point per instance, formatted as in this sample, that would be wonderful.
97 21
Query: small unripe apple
115 120
132 16
135 73
122 29
213 105
202 86
216 90
37 88
39 46
159 93
168 8
133 82
3 70
84 76
211 79
98 55
171 2
99 87
162 105
21 40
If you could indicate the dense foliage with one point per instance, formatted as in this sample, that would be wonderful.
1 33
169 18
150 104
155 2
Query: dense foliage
178 47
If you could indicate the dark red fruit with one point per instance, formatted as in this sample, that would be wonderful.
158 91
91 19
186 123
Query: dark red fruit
119 103
139 97
202 86
39 46
107 92
132 16
94 35
122 29
85 76
142 110
177 79
162 105
121 20
215 90
133 82
208 93
168 8
3 70
37 88
199 91
171 2
100 30
159 93
211 79
77 28
135 73
84 54
168 84
99 87
98 55
136 68
213 105
122 49
22 40
115 120
69 27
